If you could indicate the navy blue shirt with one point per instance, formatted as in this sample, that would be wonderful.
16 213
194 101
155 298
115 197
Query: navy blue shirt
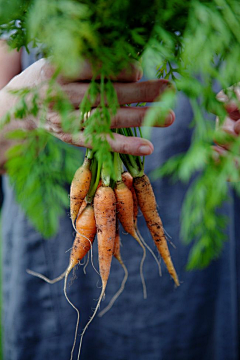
197 321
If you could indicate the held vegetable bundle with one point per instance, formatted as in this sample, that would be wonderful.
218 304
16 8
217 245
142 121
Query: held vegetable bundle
182 40
175 37
98 203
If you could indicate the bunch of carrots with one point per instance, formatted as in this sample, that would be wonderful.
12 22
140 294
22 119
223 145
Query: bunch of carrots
98 203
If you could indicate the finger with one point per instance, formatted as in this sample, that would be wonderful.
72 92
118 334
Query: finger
224 97
130 145
230 105
218 154
219 151
133 72
135 116
119 143
145 91
227 127
125 117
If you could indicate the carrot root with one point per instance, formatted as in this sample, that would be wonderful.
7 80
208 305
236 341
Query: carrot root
73 306
118 293
151 252
85 266
53 281
92 317
141 267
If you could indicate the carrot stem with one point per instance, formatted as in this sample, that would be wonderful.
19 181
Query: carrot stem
117 166
89 154
96 171
105 176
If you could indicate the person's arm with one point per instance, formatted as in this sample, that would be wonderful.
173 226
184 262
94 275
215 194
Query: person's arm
10 66
10 63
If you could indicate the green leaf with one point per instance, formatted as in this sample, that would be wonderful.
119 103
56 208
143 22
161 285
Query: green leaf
39 176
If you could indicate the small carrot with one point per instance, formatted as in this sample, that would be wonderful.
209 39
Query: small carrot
148 206
128 180
117 245
125 216
105 215
86 231
117 255
79 188
82 207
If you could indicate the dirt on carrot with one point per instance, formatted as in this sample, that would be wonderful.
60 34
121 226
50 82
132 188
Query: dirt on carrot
79 188
148 206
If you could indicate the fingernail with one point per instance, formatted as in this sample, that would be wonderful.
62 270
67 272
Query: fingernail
170 118
145 150
222 98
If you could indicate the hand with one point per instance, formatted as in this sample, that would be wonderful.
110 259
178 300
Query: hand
231 124
128 90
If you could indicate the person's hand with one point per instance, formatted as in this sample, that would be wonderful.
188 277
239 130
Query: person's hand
128 90
231 124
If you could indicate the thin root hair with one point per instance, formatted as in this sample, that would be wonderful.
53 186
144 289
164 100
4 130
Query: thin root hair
78 315
91 319
86 264
90 248
141 266
168 237
53 281
166 233
118 293
151 252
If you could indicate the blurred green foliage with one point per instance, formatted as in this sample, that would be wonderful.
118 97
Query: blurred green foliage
195 43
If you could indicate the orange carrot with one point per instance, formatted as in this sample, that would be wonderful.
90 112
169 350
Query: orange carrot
148 206
86 231
125 216
105 215
117 244
79 188
128 180
82 207
117 255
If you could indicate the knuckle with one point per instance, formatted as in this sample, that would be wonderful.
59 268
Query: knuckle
54 119
115 120
47 71
144 90
140 118
43 91
124 148
65 137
